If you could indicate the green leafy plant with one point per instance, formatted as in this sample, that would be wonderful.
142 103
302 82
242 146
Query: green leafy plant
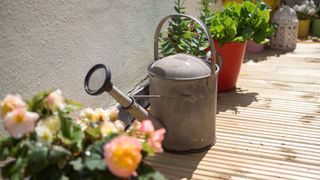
242 22
236 23
184 35
45 142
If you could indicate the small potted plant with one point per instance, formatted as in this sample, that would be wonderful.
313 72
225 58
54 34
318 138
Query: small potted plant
230 29
263 30
44 142
316 23
304 11
183 35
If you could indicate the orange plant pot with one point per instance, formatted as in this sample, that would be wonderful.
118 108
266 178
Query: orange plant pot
232 58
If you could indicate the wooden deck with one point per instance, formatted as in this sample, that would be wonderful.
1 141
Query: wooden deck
269 128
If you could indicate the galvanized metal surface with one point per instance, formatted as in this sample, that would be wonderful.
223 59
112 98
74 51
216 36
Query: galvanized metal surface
193 84
180 67
269 128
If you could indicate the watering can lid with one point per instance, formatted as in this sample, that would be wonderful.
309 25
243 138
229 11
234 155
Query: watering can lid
180 67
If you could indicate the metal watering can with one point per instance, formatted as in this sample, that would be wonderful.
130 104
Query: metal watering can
183 95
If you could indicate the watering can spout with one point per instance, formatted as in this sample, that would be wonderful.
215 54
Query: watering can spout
98 80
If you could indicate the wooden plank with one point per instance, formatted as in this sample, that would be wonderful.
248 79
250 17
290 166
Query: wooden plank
283 70
269 128
264 124
273 117
256 92
250 100
270 84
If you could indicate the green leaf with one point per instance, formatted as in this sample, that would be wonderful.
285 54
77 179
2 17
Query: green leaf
70 131
5 146
147 148
77 164
58 153
65 126
95 162
93 132
37 104
264 15
72 105
51 172
15 169
146 172
38 153
94 156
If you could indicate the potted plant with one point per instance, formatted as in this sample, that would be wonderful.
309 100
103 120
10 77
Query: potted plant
44 142
316 23
304 11
263 30
183 35
230 30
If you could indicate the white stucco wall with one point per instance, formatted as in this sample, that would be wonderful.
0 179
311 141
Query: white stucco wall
52 44
193 6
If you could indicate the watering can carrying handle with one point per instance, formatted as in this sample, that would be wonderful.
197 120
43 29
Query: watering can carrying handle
204 28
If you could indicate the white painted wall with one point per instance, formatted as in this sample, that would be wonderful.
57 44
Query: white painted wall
52 44
193 6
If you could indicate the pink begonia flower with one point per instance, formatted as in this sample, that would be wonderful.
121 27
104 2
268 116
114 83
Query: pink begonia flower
147 127
155 140
10 103
55 100
122 156
20 122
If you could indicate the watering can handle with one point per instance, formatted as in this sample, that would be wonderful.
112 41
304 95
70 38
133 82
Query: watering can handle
204 28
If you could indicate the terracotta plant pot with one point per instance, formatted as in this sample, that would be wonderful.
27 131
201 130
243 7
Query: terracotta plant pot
232 58
254 47
303 28
316 27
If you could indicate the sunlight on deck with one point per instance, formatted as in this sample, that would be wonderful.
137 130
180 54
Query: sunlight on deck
268 128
